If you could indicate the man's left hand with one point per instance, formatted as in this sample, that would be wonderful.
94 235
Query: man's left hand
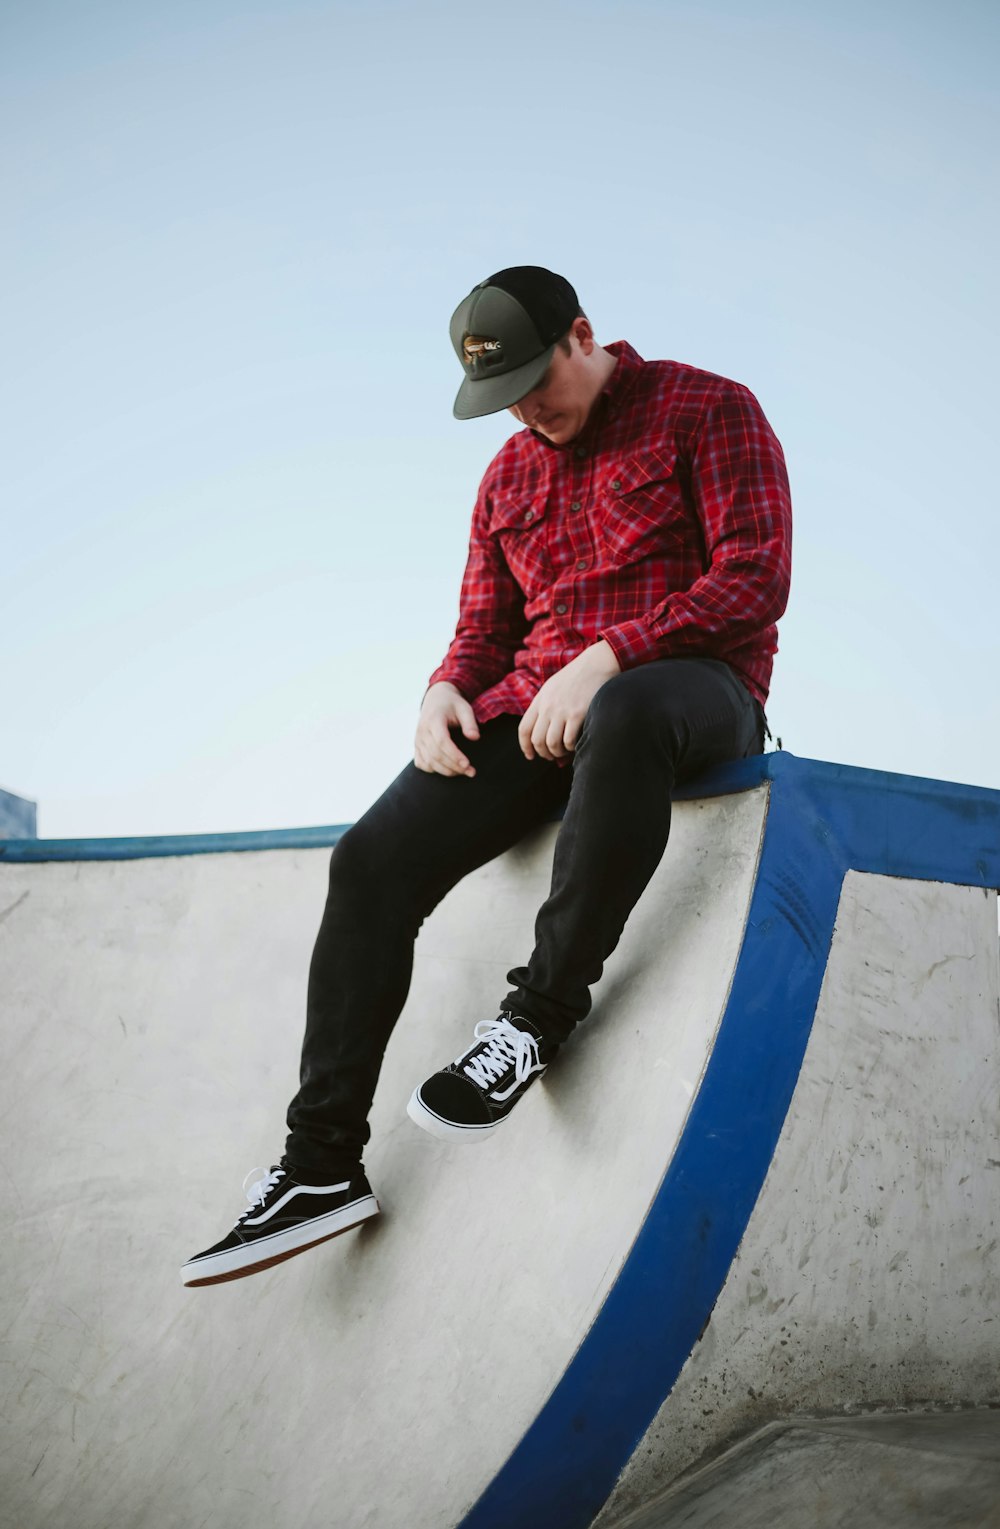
551 725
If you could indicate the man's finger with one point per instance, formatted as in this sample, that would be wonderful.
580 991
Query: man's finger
453 753
554 740
524 731
438 765
539 740
451 758
467 721
436 754
453 763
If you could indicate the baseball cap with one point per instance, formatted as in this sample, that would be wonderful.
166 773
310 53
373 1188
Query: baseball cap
504 334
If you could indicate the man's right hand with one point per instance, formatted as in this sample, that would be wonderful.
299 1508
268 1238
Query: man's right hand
434 749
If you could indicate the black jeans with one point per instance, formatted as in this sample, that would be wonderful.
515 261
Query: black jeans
647 729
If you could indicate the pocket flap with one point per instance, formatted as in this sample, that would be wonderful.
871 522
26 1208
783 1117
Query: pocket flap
640 471
517 512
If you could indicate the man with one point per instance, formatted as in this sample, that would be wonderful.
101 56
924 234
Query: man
628 559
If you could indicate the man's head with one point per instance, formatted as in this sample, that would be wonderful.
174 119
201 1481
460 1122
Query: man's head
527 346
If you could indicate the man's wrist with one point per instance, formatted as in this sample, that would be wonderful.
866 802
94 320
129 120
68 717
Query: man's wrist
438 685
607 654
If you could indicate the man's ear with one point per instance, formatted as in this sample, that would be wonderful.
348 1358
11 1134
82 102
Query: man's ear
584 334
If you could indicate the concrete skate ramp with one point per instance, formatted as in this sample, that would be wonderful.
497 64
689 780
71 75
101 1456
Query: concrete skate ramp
759 1180
889 1471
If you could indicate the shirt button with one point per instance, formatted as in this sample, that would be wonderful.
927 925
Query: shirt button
529 517
616 485
579 452
583 562
561 610
577 504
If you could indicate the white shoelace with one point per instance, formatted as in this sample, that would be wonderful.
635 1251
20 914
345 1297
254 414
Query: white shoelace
506 1044
257 1186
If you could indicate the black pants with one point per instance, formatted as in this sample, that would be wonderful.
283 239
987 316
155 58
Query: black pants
647 729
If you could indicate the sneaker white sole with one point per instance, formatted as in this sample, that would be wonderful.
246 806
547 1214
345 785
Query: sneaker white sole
446 1130
265 1252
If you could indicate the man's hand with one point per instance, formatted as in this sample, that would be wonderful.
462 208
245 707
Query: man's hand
551 725
434 750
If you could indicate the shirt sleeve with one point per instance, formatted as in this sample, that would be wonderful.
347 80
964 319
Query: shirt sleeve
491 621
740 489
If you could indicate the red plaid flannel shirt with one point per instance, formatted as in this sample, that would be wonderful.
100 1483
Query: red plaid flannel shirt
663 527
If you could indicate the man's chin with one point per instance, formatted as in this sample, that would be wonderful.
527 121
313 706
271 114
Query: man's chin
559 435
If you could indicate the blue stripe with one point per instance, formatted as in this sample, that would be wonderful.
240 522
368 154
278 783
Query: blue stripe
822 820
26 848
38 850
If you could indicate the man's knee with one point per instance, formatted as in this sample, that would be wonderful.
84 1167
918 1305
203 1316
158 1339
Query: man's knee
369 858
351 862
620 706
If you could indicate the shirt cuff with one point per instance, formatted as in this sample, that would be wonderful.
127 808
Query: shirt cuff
462 682
631 644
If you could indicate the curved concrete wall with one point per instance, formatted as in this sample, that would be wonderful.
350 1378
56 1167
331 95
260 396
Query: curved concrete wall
616 1278
154 1012
868 1276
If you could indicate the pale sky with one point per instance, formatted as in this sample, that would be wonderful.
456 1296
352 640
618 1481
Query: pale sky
237 503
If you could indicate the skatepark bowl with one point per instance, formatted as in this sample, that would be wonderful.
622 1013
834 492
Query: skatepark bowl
733 1262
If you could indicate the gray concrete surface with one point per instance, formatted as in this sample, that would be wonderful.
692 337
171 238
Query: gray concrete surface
152 1020
869 1273
911 1471
152 1014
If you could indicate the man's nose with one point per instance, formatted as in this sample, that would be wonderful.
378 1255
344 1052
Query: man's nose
528 407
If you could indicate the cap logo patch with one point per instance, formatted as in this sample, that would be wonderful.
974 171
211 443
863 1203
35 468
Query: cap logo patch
476 345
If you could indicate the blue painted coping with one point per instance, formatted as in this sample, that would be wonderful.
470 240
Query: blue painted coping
25 850
31 849
822 821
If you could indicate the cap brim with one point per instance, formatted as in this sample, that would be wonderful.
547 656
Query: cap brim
488 395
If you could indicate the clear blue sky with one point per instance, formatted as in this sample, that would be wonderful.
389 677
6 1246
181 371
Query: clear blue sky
236 502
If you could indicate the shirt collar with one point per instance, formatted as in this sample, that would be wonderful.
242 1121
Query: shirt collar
629 364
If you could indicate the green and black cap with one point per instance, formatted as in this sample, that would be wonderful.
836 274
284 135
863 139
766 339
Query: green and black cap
504 334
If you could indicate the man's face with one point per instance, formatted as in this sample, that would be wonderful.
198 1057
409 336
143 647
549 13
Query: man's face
558 407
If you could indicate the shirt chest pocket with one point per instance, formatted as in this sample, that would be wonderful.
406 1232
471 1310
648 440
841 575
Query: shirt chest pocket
642 511
520 528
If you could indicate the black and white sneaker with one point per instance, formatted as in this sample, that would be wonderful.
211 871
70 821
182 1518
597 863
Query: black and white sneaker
475 1093
285 1217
